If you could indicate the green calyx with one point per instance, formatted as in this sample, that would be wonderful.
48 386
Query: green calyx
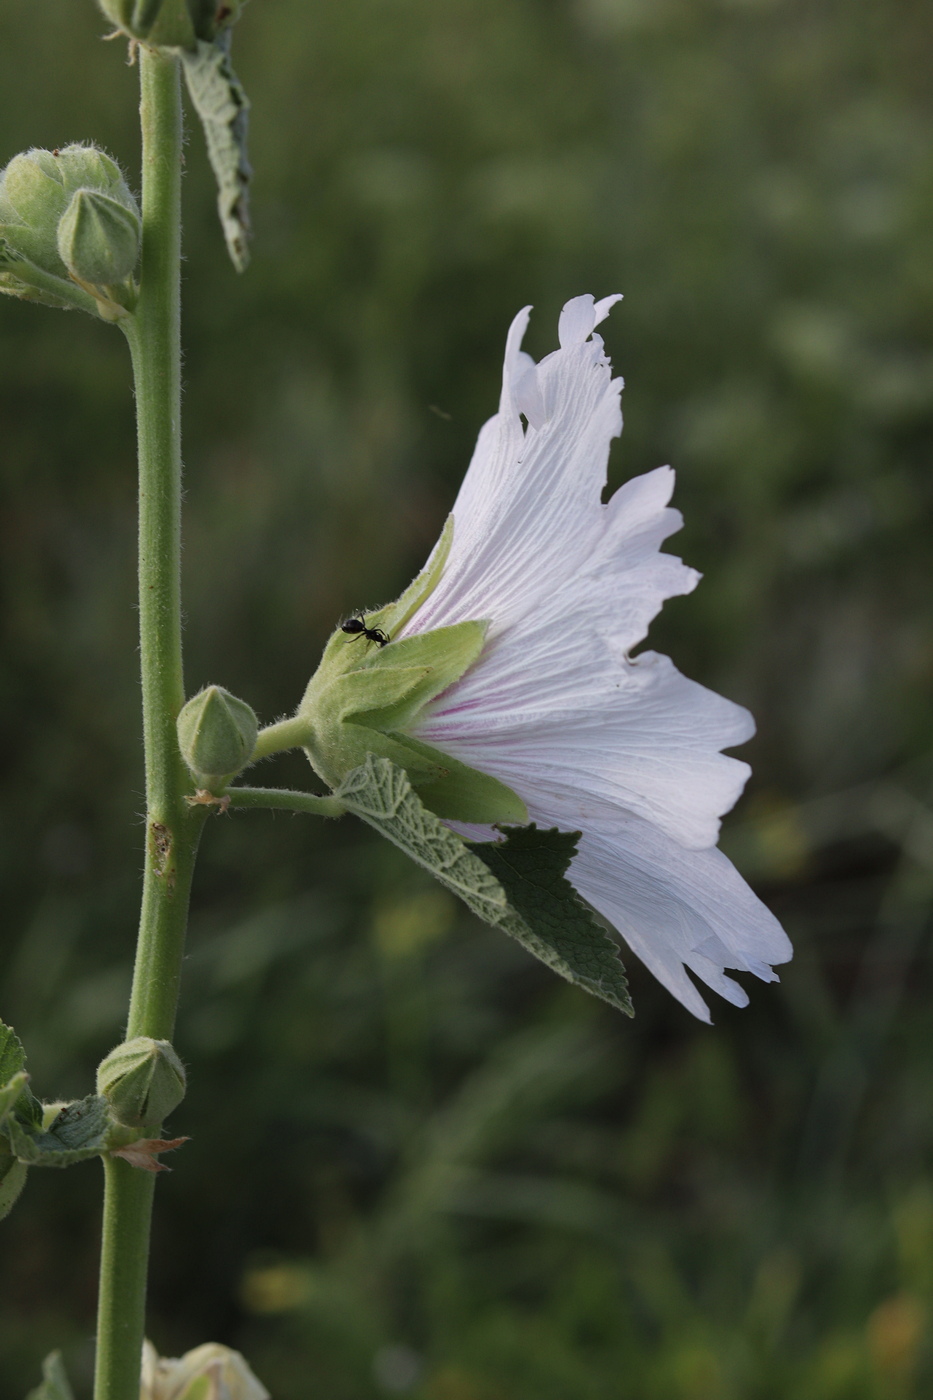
216 735
142 1080
365 697
69 231
177 24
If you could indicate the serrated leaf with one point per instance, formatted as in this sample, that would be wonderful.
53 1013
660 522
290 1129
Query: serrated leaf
530 865
12 1180
12 1054
15 1091
523 892
54 1381
11 1092
223 107
81 1130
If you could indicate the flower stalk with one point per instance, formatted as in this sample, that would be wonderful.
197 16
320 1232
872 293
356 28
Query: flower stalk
172 826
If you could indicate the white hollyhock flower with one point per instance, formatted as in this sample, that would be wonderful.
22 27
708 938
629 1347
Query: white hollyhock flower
624 749
209 1372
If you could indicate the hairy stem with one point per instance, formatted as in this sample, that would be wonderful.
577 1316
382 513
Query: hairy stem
276 738
172 827
286 800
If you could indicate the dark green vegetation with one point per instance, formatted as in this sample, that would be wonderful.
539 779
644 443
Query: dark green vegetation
406 1134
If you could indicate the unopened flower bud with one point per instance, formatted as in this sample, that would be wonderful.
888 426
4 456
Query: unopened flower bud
98 238
142 1081
171 23
216 735
67 215
209 1372
32 200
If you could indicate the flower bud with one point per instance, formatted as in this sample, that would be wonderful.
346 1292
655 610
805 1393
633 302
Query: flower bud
171 23
209 1372
32 200
98 238
67 215
142 1081
216 735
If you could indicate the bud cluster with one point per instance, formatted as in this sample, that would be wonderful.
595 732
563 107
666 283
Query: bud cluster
177 24
67 220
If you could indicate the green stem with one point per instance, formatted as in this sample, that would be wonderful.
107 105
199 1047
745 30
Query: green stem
291 733
286 800
172 827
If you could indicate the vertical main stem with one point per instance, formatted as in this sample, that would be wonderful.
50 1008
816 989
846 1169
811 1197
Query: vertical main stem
172 828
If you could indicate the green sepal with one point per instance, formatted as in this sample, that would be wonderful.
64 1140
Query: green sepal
362 702
55 1384
457 792
521 888
364 697
199 1389
385 687
397 614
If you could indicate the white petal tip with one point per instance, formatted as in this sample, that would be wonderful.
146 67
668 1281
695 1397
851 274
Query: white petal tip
580 317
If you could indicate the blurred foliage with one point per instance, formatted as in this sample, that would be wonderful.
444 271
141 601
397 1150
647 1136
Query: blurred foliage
419 1165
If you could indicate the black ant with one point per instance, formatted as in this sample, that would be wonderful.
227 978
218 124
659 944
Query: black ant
358 626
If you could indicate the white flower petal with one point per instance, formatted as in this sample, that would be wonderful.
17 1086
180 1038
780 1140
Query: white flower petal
676 907
580 317
651 747
626 750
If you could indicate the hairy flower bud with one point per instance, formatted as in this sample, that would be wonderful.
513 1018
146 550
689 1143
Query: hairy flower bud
98 238
209 1372
216 735
142 1081
68 216
172 23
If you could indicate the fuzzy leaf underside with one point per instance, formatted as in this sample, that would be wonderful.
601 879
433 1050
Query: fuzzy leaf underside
54 1381
223 107
520 889
82 1129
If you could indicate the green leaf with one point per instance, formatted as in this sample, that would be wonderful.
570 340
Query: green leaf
54 1381
530 865
81 1130
518 886
12 1054
12 1180
15 1092
11 1092
222 105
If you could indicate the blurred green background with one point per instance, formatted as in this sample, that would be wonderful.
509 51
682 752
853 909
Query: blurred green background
419 1164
